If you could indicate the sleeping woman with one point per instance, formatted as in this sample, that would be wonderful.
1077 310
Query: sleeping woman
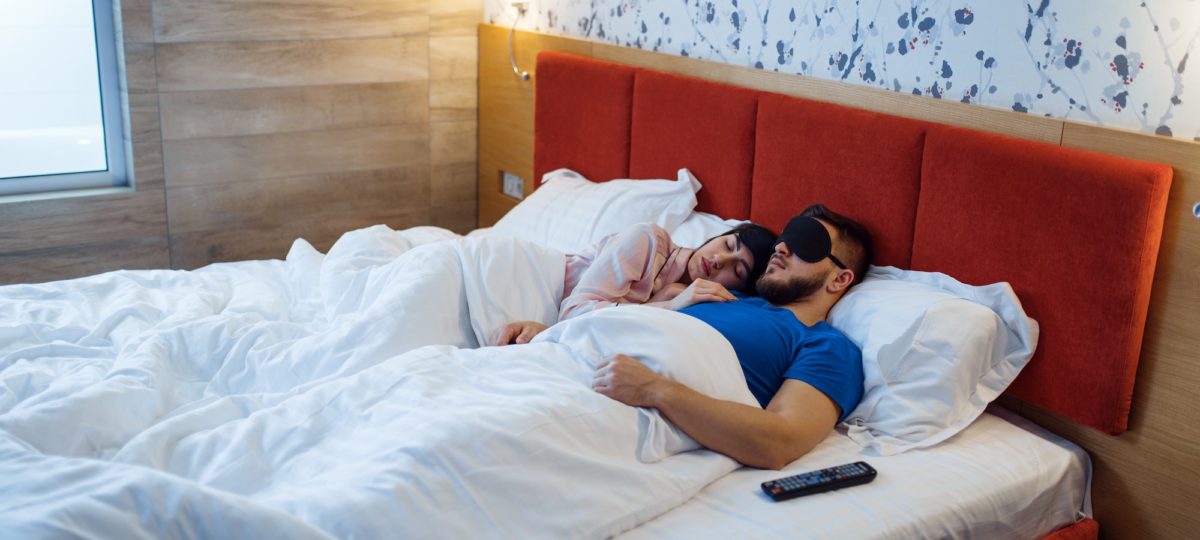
641 265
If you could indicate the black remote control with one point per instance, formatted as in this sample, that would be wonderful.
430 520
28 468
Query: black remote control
850 474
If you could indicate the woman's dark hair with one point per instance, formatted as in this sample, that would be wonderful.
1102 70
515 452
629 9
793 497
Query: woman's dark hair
855 238
761 242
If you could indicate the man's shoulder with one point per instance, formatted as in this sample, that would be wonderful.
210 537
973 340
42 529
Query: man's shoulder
829 331
828 337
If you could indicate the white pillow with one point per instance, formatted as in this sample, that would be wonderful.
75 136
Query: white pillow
935 353
700 226
570 213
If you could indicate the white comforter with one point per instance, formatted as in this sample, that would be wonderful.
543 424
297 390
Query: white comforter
299 398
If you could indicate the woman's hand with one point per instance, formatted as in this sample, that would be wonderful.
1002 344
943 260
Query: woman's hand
700 291
518 333
668 293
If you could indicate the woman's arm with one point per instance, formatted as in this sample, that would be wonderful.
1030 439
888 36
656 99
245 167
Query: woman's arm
623 271
700 291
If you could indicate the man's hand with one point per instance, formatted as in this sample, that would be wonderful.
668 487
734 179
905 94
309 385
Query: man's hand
627 380
700 291
798 417
518 333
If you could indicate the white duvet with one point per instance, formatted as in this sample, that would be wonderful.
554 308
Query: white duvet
339 395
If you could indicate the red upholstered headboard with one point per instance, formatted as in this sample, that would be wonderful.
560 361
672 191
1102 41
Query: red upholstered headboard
707 126
1076 233
586 127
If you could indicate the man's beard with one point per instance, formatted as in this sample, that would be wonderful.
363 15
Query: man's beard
780 292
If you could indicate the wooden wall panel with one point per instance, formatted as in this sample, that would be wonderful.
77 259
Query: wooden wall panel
276 202
453 97
221 160
453 100
223 113
143 117
148 166
32 225
506 112
454 17
453 182
453 57
453 216
307 107
212 225
52 264
1147 480
453 142
137 21
197 249
265 20
259 64
453 150
140 67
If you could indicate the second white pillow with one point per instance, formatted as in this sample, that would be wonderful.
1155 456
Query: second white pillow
570 212
935 352
699 227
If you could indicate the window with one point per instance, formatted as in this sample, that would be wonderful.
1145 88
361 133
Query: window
60 107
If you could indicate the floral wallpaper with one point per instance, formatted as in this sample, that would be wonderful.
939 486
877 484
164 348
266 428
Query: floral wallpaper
1117 63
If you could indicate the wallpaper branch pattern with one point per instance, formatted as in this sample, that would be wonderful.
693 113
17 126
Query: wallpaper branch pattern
1117 63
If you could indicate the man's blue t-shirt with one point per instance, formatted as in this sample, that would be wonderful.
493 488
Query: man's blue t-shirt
772 345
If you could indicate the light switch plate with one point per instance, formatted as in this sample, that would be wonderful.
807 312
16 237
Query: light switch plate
513 185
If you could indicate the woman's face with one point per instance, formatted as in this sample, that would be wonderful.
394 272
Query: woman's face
724 260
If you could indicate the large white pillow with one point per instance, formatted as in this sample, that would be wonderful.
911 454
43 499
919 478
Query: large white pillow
700 226
935 353
570 212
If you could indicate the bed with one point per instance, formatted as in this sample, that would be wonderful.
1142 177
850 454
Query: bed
1002 477
347 393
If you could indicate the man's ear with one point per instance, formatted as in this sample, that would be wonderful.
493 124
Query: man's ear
841 281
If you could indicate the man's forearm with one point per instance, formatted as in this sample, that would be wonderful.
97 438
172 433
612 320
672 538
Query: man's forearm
798 417
750 435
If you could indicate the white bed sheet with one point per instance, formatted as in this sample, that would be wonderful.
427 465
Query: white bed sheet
1002 477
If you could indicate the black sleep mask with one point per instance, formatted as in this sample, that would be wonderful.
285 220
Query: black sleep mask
809 239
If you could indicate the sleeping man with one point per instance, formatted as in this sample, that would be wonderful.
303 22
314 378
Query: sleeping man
805 374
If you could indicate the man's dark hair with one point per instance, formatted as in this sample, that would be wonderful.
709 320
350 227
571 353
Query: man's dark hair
761 242
857 251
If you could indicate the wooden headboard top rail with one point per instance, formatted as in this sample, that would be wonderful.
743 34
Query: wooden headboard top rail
1143 478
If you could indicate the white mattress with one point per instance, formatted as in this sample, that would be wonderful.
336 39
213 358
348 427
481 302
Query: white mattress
999 478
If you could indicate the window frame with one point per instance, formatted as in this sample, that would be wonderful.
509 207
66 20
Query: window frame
111 115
